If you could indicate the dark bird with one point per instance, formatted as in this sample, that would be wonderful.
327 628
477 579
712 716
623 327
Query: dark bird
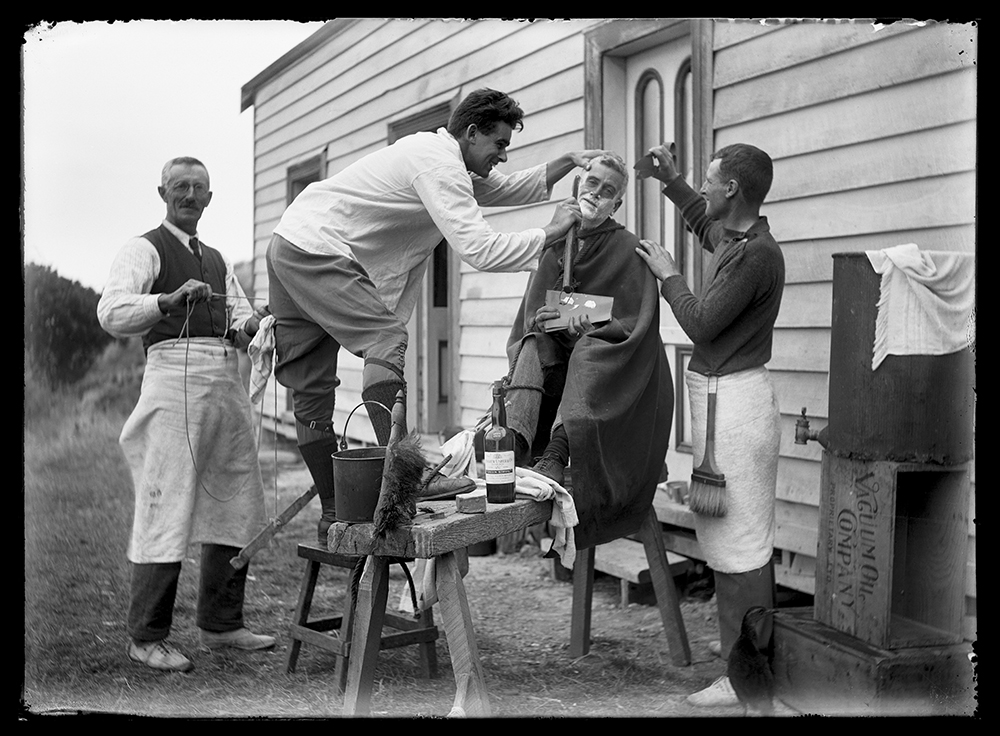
748 669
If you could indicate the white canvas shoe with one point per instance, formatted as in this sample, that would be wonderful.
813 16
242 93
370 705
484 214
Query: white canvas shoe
718 693
160 656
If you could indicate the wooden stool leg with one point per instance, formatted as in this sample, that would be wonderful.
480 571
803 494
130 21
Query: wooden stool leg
667 599
428 649
366 638
302 611
583 594
346 632
470 695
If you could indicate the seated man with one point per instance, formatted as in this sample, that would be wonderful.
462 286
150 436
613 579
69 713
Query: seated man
601 394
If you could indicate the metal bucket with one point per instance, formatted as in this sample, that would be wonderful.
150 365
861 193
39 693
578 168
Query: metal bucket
357 477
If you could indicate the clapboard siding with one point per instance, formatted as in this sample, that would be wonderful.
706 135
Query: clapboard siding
893 60
812 260
470 53
948 149
791 45
943 200
873 115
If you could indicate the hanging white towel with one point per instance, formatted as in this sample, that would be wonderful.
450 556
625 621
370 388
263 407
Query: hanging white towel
261 352
925 303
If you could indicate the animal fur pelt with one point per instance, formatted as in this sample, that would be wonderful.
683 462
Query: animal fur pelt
401 481
402 478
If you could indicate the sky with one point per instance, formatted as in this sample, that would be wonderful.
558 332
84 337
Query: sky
105 105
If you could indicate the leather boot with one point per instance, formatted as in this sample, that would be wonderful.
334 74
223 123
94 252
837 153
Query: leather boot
553 462
318 457
384 393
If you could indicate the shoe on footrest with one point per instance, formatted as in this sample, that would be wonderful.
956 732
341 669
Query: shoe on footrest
160 656
441 488
238 639
552 467
719 692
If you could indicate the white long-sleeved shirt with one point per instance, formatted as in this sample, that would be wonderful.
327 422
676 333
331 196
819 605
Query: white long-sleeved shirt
391 209
128 309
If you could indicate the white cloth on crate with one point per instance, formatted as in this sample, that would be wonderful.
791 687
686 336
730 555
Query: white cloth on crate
192 452
127 309
747 435
391 209
261 353
926 301
527 484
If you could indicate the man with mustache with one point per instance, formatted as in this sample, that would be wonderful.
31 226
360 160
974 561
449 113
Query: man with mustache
190 441
346 260
597 395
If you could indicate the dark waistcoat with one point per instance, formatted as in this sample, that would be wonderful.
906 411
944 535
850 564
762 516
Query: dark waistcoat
177 265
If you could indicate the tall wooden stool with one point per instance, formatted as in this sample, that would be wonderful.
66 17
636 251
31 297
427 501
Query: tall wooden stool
420 630
667 599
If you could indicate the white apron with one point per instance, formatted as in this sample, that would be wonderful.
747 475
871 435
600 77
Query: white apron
747 434
191 448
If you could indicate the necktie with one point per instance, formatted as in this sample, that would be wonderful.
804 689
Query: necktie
195 247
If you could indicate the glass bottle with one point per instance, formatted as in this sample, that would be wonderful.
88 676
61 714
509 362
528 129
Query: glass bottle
498 447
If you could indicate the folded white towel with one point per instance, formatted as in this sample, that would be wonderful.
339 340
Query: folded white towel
261 352
527 484
925 303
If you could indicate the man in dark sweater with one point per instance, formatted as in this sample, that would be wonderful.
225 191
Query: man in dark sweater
731 325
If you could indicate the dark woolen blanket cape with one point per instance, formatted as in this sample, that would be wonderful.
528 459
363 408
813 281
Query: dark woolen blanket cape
615 384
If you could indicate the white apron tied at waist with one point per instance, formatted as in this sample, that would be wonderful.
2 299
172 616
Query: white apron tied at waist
192 451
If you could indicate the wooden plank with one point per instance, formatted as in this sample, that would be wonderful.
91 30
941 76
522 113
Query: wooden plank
583 596
873 115
626 559
488 312
307 66
936 202
800 349
895 60
471 697
797 389
798 481
763 53
806 305
733 31
926 153
812 260
667 598
484 341
373 591
410 50
483 285
287 97
437 536
459 61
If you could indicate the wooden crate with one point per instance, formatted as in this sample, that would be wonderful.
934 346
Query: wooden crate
820 670
892 551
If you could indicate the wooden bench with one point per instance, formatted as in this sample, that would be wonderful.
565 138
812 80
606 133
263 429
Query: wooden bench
626 560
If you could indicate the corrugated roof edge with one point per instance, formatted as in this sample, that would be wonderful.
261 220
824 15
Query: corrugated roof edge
329 29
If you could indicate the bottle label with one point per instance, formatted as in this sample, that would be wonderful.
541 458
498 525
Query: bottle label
499 467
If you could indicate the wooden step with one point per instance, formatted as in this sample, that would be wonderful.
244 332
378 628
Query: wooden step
626 560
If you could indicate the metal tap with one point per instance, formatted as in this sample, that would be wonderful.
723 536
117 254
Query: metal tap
803 434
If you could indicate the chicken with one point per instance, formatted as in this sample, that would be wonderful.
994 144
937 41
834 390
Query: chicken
748 669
